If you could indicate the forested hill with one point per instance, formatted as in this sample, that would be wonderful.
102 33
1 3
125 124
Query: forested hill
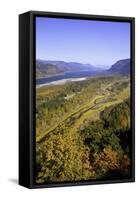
83 130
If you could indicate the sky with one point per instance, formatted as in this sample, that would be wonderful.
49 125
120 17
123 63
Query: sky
84 41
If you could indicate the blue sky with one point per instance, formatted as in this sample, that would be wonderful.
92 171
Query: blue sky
85 41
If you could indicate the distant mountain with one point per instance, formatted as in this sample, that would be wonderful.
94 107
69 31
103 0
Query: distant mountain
47 67
43 70
121 67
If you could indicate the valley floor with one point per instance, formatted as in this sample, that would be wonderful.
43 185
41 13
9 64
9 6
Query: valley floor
64 113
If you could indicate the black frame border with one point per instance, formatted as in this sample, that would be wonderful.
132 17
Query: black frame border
32 103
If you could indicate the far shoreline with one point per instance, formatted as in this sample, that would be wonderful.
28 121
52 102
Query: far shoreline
63 73
61 82
49 76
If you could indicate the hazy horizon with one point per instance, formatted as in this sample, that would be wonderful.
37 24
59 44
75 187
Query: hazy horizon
99 43
96 65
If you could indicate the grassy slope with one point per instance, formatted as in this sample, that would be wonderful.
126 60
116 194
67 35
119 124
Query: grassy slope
90 110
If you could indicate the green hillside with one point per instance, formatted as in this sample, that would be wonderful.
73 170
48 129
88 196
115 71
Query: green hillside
83 130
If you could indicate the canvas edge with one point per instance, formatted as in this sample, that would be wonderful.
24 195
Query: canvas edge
32 15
